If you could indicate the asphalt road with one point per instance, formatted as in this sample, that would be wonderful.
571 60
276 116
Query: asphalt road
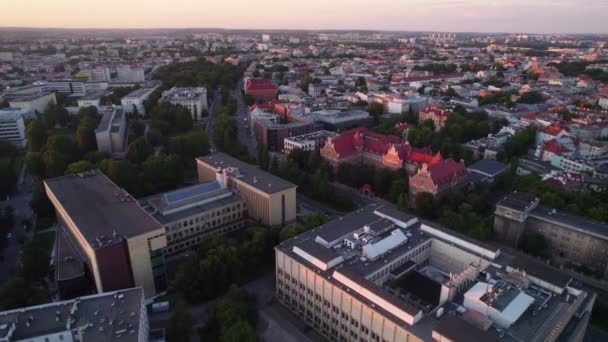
242 113
20 201
215 102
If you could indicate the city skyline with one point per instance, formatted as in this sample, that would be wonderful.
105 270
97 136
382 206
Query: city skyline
540 16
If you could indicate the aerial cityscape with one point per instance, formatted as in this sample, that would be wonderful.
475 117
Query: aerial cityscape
318 171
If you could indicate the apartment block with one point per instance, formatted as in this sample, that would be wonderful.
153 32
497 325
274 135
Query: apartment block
194 99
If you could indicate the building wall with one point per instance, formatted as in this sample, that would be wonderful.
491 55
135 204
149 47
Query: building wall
38 104
82 244
570 245
114 267
508 230
265 207
13 130
188 232
331 310
140 248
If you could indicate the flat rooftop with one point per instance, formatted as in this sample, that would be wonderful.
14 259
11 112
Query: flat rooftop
571 221
185 202
110 316
518 201
247 173
102 211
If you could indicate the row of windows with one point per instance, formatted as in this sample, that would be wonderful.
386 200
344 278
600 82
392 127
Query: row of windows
195 241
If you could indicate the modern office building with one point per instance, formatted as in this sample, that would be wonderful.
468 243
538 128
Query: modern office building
110 316
272 131
379 274
12 125
570 238
66 86
194 99
270 200
111 132
307 142
193 213
32 102
118 243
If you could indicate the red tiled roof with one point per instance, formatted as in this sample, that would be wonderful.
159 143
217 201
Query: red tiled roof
553 130
259 84
446 171
436 111
432 77
554 147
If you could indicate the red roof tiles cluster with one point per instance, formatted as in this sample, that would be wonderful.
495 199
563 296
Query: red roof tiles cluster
259 84
447 171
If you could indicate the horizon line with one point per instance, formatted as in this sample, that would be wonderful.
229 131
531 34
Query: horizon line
294 29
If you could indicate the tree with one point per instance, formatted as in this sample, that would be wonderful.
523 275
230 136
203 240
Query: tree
189 145
274 166
182 323
241 331
40 203
122 172
35 164
137 128
305 80
79 166
375 109
263 156
531 97
17 293
139 150
425 204
183 119
85 135
161 173
35 134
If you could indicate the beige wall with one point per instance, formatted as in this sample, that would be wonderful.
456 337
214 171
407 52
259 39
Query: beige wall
329 309
139 252
267 208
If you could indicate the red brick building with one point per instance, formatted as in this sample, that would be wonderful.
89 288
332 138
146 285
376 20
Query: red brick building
438 116
363 146
261 89
438 179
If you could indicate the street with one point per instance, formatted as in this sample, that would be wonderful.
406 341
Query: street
242 113
20 201
217 100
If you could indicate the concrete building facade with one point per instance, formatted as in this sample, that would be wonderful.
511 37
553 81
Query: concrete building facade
270 199
194 99
120 243
570 238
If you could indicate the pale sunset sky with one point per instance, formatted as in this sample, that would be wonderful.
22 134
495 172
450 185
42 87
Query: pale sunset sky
560 16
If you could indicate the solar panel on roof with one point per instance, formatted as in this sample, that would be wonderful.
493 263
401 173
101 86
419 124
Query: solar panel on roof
191 192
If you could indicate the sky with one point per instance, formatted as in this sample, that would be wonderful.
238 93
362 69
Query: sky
530 16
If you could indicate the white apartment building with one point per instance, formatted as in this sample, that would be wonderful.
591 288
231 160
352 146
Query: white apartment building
12 125
128 73
33 102
91 100
66 86
99 74
195 99
135 99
